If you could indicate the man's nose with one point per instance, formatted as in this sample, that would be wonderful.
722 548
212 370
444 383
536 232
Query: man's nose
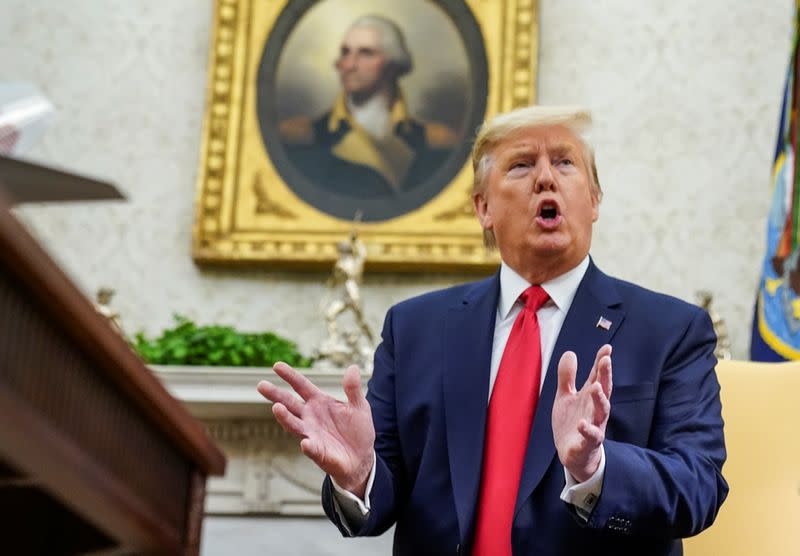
346 62
544 179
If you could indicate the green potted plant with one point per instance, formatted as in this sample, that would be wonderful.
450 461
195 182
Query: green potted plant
214 345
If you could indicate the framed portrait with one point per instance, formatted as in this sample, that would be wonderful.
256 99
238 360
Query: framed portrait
328 115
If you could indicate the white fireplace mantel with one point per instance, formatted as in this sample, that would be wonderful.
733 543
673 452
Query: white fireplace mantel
266 473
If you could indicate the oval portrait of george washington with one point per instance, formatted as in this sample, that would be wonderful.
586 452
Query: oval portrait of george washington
369 106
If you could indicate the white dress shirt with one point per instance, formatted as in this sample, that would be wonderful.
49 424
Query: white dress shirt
551 315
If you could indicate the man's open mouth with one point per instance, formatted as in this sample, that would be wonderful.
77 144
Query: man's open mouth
548 210
548 215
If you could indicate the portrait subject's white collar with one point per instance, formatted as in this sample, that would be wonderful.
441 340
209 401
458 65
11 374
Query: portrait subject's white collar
374 116
398 112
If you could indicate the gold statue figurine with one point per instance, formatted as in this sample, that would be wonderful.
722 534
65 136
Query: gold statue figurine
347 346
103 306
723 349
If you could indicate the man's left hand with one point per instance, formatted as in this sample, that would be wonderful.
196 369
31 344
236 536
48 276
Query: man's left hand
580 416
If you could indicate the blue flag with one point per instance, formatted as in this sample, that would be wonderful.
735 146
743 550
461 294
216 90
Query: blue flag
776 322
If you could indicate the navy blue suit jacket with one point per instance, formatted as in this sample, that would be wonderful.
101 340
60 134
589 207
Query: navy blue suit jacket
664 441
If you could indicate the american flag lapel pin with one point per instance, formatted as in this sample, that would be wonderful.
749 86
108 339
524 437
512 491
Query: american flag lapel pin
604 323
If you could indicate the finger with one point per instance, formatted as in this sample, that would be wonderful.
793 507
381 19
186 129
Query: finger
592 435
604 375
313 451
297 381
352 386
290 423
567 367
604 350
601 407
280 395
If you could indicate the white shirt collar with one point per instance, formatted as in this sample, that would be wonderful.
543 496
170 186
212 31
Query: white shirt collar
561 289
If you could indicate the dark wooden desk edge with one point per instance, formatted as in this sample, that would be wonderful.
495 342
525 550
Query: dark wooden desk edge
22 256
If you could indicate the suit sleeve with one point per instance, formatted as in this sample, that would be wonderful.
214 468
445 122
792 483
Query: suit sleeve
389 488
673 487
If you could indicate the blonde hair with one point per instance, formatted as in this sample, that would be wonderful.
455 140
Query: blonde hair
499 128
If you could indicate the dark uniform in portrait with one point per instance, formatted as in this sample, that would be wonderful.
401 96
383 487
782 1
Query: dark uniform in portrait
335 152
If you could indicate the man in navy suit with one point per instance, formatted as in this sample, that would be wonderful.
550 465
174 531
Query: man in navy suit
628 469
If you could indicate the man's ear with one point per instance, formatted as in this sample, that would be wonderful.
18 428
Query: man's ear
482 210
595 205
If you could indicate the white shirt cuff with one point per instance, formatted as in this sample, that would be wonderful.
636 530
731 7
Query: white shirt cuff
352 510
584 496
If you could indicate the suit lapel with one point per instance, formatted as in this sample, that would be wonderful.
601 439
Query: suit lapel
596 297
469 333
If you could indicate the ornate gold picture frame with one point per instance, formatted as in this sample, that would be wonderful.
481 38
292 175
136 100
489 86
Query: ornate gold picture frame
285 169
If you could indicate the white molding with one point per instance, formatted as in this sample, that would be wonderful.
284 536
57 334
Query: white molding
266 472
229 392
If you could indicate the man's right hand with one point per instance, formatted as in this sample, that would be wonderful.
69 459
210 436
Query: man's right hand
338 436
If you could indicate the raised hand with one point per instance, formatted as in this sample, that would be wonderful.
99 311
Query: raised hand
338 436
580 416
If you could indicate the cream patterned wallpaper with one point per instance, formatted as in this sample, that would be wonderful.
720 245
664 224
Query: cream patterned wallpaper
685 95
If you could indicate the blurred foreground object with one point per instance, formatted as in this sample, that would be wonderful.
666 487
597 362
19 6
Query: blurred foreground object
24 115
24 182
354 345
95 455
723 349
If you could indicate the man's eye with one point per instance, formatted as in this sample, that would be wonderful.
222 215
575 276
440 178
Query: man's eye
566 161
519 165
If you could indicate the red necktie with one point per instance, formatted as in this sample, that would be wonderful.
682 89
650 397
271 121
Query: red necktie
512 406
